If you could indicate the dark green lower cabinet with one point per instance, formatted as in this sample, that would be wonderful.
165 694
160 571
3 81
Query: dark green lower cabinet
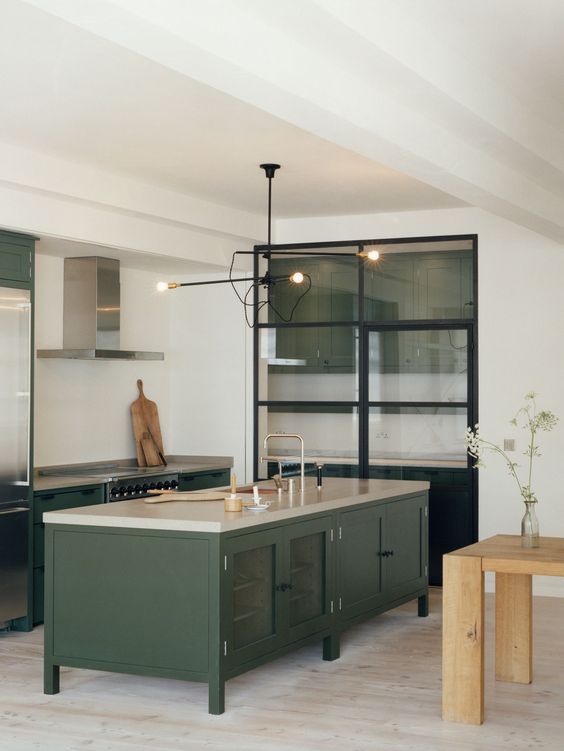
56 500
383 555
278 588
209 606
202 480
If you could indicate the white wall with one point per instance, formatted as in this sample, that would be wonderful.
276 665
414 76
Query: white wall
520 329
203 388
81 407
210 364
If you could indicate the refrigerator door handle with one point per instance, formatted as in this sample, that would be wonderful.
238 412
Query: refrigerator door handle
16 509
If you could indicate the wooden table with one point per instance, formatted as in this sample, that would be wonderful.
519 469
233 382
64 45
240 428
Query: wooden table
463 617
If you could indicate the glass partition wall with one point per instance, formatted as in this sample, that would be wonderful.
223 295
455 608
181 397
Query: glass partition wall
375 367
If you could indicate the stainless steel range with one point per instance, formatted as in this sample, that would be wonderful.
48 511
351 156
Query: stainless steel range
121 482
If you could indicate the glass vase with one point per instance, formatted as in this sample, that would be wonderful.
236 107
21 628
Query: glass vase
530 526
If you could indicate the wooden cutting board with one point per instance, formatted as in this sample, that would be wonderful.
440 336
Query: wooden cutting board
147 431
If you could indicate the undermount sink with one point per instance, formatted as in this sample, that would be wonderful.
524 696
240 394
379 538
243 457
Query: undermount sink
262 490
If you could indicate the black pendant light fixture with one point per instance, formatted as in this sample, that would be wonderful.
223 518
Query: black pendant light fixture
266 281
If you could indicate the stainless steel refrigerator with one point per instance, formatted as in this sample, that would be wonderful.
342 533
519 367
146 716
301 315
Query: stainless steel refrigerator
15 429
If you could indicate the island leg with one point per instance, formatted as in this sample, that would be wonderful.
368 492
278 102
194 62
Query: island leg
423 606
51 683
216 695
332 647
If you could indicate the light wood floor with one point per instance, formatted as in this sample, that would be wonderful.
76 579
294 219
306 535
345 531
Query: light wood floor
384 693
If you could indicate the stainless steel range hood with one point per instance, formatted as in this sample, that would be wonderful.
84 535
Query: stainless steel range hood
91 313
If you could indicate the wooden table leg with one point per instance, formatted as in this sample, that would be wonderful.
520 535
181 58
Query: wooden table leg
463 639
514 628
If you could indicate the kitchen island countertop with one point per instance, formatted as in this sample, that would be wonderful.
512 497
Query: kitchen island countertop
210 516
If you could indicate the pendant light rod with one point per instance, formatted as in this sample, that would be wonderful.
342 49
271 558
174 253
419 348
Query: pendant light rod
269 171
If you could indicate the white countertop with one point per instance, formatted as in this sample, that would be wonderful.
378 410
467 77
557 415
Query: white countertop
210 516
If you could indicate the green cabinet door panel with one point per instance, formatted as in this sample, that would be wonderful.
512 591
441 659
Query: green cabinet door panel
251 621
406 546
360 562
131 599
309 558
16 257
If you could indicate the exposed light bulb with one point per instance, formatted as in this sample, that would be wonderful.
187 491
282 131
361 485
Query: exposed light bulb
373 255
297 277
162 286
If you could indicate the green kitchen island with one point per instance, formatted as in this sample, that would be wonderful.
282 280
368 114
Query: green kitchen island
187 590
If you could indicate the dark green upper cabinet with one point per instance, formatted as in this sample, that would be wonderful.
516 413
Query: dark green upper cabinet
16 260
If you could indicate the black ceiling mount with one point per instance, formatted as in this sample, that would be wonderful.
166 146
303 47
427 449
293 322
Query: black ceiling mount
270 169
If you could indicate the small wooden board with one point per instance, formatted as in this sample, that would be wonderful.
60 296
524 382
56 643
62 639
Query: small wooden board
193 496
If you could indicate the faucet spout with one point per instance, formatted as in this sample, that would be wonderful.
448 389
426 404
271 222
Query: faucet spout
301 440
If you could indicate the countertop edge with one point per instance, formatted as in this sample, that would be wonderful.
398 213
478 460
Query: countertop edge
230 521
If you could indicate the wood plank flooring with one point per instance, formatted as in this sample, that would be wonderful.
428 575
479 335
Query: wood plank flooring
383 694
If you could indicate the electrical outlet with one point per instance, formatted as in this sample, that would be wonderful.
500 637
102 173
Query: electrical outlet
509 444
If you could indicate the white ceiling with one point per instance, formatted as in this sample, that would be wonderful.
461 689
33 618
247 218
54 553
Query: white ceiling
369 105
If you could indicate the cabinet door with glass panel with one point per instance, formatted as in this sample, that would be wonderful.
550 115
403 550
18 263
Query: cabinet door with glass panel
277 588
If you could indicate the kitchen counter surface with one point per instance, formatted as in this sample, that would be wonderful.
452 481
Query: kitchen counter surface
176 463
210 516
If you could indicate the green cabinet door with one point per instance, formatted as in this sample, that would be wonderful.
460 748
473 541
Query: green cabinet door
308 555
360 581
250 622
405 547
16 257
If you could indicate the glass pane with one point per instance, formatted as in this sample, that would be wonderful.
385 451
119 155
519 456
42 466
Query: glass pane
15 314
333 295
307 577
417 435
308 364
330 434
253 595
418 366
420 285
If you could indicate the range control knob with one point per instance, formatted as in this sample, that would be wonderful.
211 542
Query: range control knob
145 487
138 488
167 485
130 489
174 484
152 486
122 490
159 486
114 491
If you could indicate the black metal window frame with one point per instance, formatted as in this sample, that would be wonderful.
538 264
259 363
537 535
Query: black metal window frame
364 327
